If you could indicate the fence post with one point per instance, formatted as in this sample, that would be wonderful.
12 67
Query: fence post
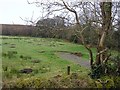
68 70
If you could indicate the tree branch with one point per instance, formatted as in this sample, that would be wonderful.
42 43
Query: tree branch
102 51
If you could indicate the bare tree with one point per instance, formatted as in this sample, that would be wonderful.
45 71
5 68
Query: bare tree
97 13
30 20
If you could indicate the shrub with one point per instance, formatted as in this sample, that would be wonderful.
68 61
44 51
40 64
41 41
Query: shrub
61 81
96 71
113 65
104 82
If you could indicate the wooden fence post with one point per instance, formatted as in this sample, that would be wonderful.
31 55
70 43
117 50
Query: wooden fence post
68 70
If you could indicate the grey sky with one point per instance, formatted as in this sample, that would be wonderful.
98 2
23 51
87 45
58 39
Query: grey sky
12 10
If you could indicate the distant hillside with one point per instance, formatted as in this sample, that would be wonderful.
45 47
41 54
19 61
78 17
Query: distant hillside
16 29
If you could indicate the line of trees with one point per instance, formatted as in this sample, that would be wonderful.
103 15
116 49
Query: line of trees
17 30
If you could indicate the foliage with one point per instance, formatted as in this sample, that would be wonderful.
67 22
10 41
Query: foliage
59 81
105 82
114 65
108 82
96 71
111 67
116 80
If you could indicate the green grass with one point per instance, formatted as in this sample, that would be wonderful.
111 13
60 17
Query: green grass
20 52
43 49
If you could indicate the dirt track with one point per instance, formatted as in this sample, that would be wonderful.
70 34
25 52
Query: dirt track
74 58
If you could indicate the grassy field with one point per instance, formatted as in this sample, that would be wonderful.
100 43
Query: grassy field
30 49
40 55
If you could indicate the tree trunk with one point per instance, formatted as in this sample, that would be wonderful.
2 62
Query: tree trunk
106 26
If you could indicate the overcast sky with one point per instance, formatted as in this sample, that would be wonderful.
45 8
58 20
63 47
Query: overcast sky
12 10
